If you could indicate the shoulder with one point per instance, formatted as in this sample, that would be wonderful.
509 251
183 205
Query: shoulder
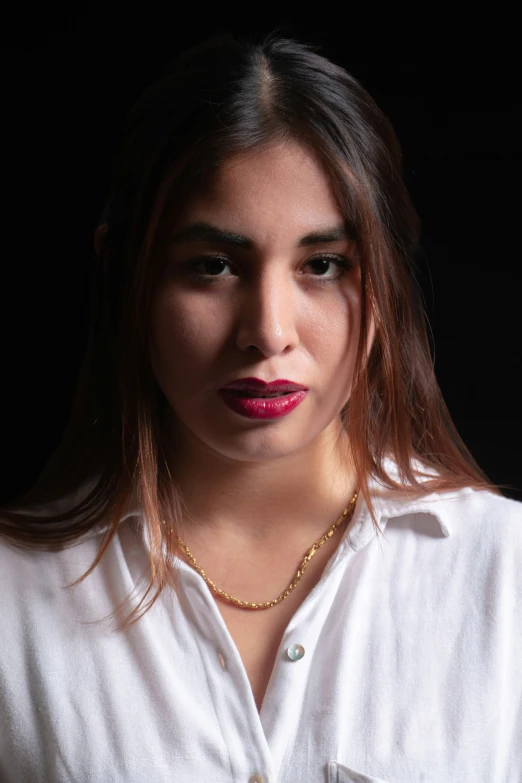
493 514
19 557
459 511
484 532
494 523
467 509
479 527
26 570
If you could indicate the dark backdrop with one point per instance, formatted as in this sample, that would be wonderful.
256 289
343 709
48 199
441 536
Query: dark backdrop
64 101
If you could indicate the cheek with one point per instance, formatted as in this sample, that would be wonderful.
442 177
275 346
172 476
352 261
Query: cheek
184 333
332 331
333 344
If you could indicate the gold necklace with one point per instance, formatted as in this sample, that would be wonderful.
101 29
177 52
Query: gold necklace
295 581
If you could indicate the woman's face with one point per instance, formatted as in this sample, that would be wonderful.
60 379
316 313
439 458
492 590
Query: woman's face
278 304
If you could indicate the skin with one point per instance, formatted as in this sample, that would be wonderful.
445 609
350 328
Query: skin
253 487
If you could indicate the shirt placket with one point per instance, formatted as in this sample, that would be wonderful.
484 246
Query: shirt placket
281 710
229 686
257 742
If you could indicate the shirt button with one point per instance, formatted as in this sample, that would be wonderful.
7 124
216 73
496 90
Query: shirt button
222 661
256 779
295 652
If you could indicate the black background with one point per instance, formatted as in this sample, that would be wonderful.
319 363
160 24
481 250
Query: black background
65 93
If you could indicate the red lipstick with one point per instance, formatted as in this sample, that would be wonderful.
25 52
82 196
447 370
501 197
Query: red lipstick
258 399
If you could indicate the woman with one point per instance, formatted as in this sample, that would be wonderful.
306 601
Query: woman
259 436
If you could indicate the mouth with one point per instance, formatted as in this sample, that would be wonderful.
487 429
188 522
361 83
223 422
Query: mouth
255 387
251 394
253 405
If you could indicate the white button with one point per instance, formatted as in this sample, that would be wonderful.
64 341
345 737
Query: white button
295 652
256 779
222 661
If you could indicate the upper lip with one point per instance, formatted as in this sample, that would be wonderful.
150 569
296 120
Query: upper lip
256 384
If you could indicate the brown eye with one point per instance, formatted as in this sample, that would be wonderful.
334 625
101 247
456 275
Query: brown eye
208 266
323 264
326 268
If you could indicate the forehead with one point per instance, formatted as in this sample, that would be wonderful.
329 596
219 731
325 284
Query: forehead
280 188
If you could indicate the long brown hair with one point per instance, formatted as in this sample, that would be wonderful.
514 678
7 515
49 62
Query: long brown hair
223 97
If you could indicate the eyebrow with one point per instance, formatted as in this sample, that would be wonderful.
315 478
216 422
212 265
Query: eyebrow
207 232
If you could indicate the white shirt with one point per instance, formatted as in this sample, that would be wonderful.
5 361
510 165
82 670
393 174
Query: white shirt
412 668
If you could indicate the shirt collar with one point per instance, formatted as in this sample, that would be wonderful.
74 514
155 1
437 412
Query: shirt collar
391 503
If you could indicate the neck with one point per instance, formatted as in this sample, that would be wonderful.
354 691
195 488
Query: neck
252 502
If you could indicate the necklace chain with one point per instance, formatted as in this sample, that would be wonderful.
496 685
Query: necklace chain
295 581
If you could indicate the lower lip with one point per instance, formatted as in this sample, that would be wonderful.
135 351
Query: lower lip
263 407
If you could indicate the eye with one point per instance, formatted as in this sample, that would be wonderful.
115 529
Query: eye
209 269
324 262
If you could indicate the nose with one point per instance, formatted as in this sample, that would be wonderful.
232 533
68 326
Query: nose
267 315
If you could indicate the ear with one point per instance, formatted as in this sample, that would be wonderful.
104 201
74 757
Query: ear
99 236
